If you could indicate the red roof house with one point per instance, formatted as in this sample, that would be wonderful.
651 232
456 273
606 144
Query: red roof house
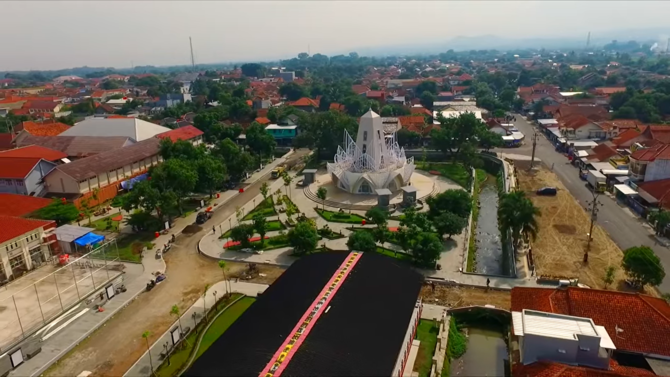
20 205
263 120
187 133
48 128
33 151
12 227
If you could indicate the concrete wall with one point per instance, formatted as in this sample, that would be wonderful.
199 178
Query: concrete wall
542 348
657 169
59 182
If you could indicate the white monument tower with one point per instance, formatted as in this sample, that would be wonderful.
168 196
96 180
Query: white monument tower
374 161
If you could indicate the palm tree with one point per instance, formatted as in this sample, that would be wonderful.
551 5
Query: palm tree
287 182
265 190
204 299
146 336
517 213
222 266
175 312
322 193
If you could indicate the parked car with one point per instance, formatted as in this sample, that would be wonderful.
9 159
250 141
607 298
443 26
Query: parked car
547 191
203 217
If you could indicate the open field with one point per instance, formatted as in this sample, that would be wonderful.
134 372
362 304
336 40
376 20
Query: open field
562 238
458 296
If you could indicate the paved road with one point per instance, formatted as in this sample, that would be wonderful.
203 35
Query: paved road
623 226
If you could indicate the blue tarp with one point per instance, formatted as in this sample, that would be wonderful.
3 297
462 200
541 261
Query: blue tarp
128 185
89 239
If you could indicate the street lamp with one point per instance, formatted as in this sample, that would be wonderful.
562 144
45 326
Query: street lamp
214 293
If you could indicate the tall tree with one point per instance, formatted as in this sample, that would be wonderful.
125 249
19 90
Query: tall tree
643 266
259 226
175 175
259 141
303 237
427 249
242 233
517 212
211 174
362 241
292 91
322 193
455 201
449 224
60 212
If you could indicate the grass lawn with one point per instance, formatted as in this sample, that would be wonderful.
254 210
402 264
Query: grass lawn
270 226
223 322
191 205
106 223
472 245
338 217
399 256
270 243
454 171
130 246
426 332
266 208
329 234
289 204
179 357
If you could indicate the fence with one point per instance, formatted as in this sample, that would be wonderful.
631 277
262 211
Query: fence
29 303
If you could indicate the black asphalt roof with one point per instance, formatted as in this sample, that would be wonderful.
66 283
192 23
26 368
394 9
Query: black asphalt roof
361 335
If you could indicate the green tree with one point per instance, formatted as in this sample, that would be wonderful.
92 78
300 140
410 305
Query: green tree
146 336
292 91
237 162
427 249
322 193
287 182
449 224
426 86
176 312
259 141
60 212
643 266
222 266
265 189
259 226
110 84
303 237
489 140
211 174
455 201
427 99
517 212
362 241
407 138
608 279
175 175
661 220
253 70
378 216
242 233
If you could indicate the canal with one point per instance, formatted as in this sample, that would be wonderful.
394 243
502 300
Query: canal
489 250
486 354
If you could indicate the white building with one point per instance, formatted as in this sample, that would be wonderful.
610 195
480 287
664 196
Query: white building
24 245
136 129
374 161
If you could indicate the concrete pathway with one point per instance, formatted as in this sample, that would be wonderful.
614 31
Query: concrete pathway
75 332
195 313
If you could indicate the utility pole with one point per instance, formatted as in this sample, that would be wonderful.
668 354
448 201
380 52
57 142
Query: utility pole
190 41
532 158
588 40
594 207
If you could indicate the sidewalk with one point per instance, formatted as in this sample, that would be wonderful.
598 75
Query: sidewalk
143 367
61 343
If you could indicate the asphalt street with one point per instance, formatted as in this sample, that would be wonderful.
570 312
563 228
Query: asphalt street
625 228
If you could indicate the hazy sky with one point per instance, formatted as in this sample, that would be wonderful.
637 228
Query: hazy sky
62 34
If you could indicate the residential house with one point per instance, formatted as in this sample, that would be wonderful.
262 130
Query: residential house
630 137
287 76
650 164
336 106
360 89
305 104
187 133
24 176
42 107
136 129
588 332
34 151
377 95
459 89
445 96
116 77
6 141
45 128
587 79
576 126
21 205
171 100
75 147
420 110
24 245
104 109
458 80
104 171
282 134
603 152
102 95
607 91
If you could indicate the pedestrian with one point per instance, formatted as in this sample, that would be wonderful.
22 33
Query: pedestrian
488 282
213 229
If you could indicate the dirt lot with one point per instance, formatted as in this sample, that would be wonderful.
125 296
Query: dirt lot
559 248
113 349
455 296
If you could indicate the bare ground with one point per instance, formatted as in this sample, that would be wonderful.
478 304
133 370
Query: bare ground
457 296
562 238
112 349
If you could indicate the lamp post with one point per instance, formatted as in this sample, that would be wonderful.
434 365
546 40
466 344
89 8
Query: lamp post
214 294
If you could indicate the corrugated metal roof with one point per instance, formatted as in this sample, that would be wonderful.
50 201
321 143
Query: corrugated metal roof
556 325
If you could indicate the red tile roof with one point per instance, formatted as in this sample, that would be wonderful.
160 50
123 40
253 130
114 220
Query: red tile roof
596 113
659 133
657 189
181 133
458 89
550 369
420 111
20 205
12 227
660 151
412 120
263 120
574 121
626 136
375 94
360 89
44 129
16 167
6 141
609 90
34 151
645 320
305 102
603 152
40 105
336 106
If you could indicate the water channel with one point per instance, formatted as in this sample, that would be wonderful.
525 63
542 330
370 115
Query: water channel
486 354
489 252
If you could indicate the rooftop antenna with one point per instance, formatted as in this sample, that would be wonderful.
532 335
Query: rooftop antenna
190 41
588 40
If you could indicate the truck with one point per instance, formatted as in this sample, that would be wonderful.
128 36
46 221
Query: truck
277 172
596 180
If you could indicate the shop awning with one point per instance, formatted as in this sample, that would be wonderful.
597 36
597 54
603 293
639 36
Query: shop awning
625 189
69 233
89 239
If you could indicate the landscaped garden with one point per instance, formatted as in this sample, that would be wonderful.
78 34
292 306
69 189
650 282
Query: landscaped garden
130 246
270 226
328 233
454 171
266 208
426 333
214 328
269 244
107 223
340 217
472 245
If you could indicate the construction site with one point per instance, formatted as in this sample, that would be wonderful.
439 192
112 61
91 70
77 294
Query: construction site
562 239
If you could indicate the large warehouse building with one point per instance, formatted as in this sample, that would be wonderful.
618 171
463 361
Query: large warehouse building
330 314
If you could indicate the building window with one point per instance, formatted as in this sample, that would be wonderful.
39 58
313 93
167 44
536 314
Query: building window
379 135
365 136
365 148
561 351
